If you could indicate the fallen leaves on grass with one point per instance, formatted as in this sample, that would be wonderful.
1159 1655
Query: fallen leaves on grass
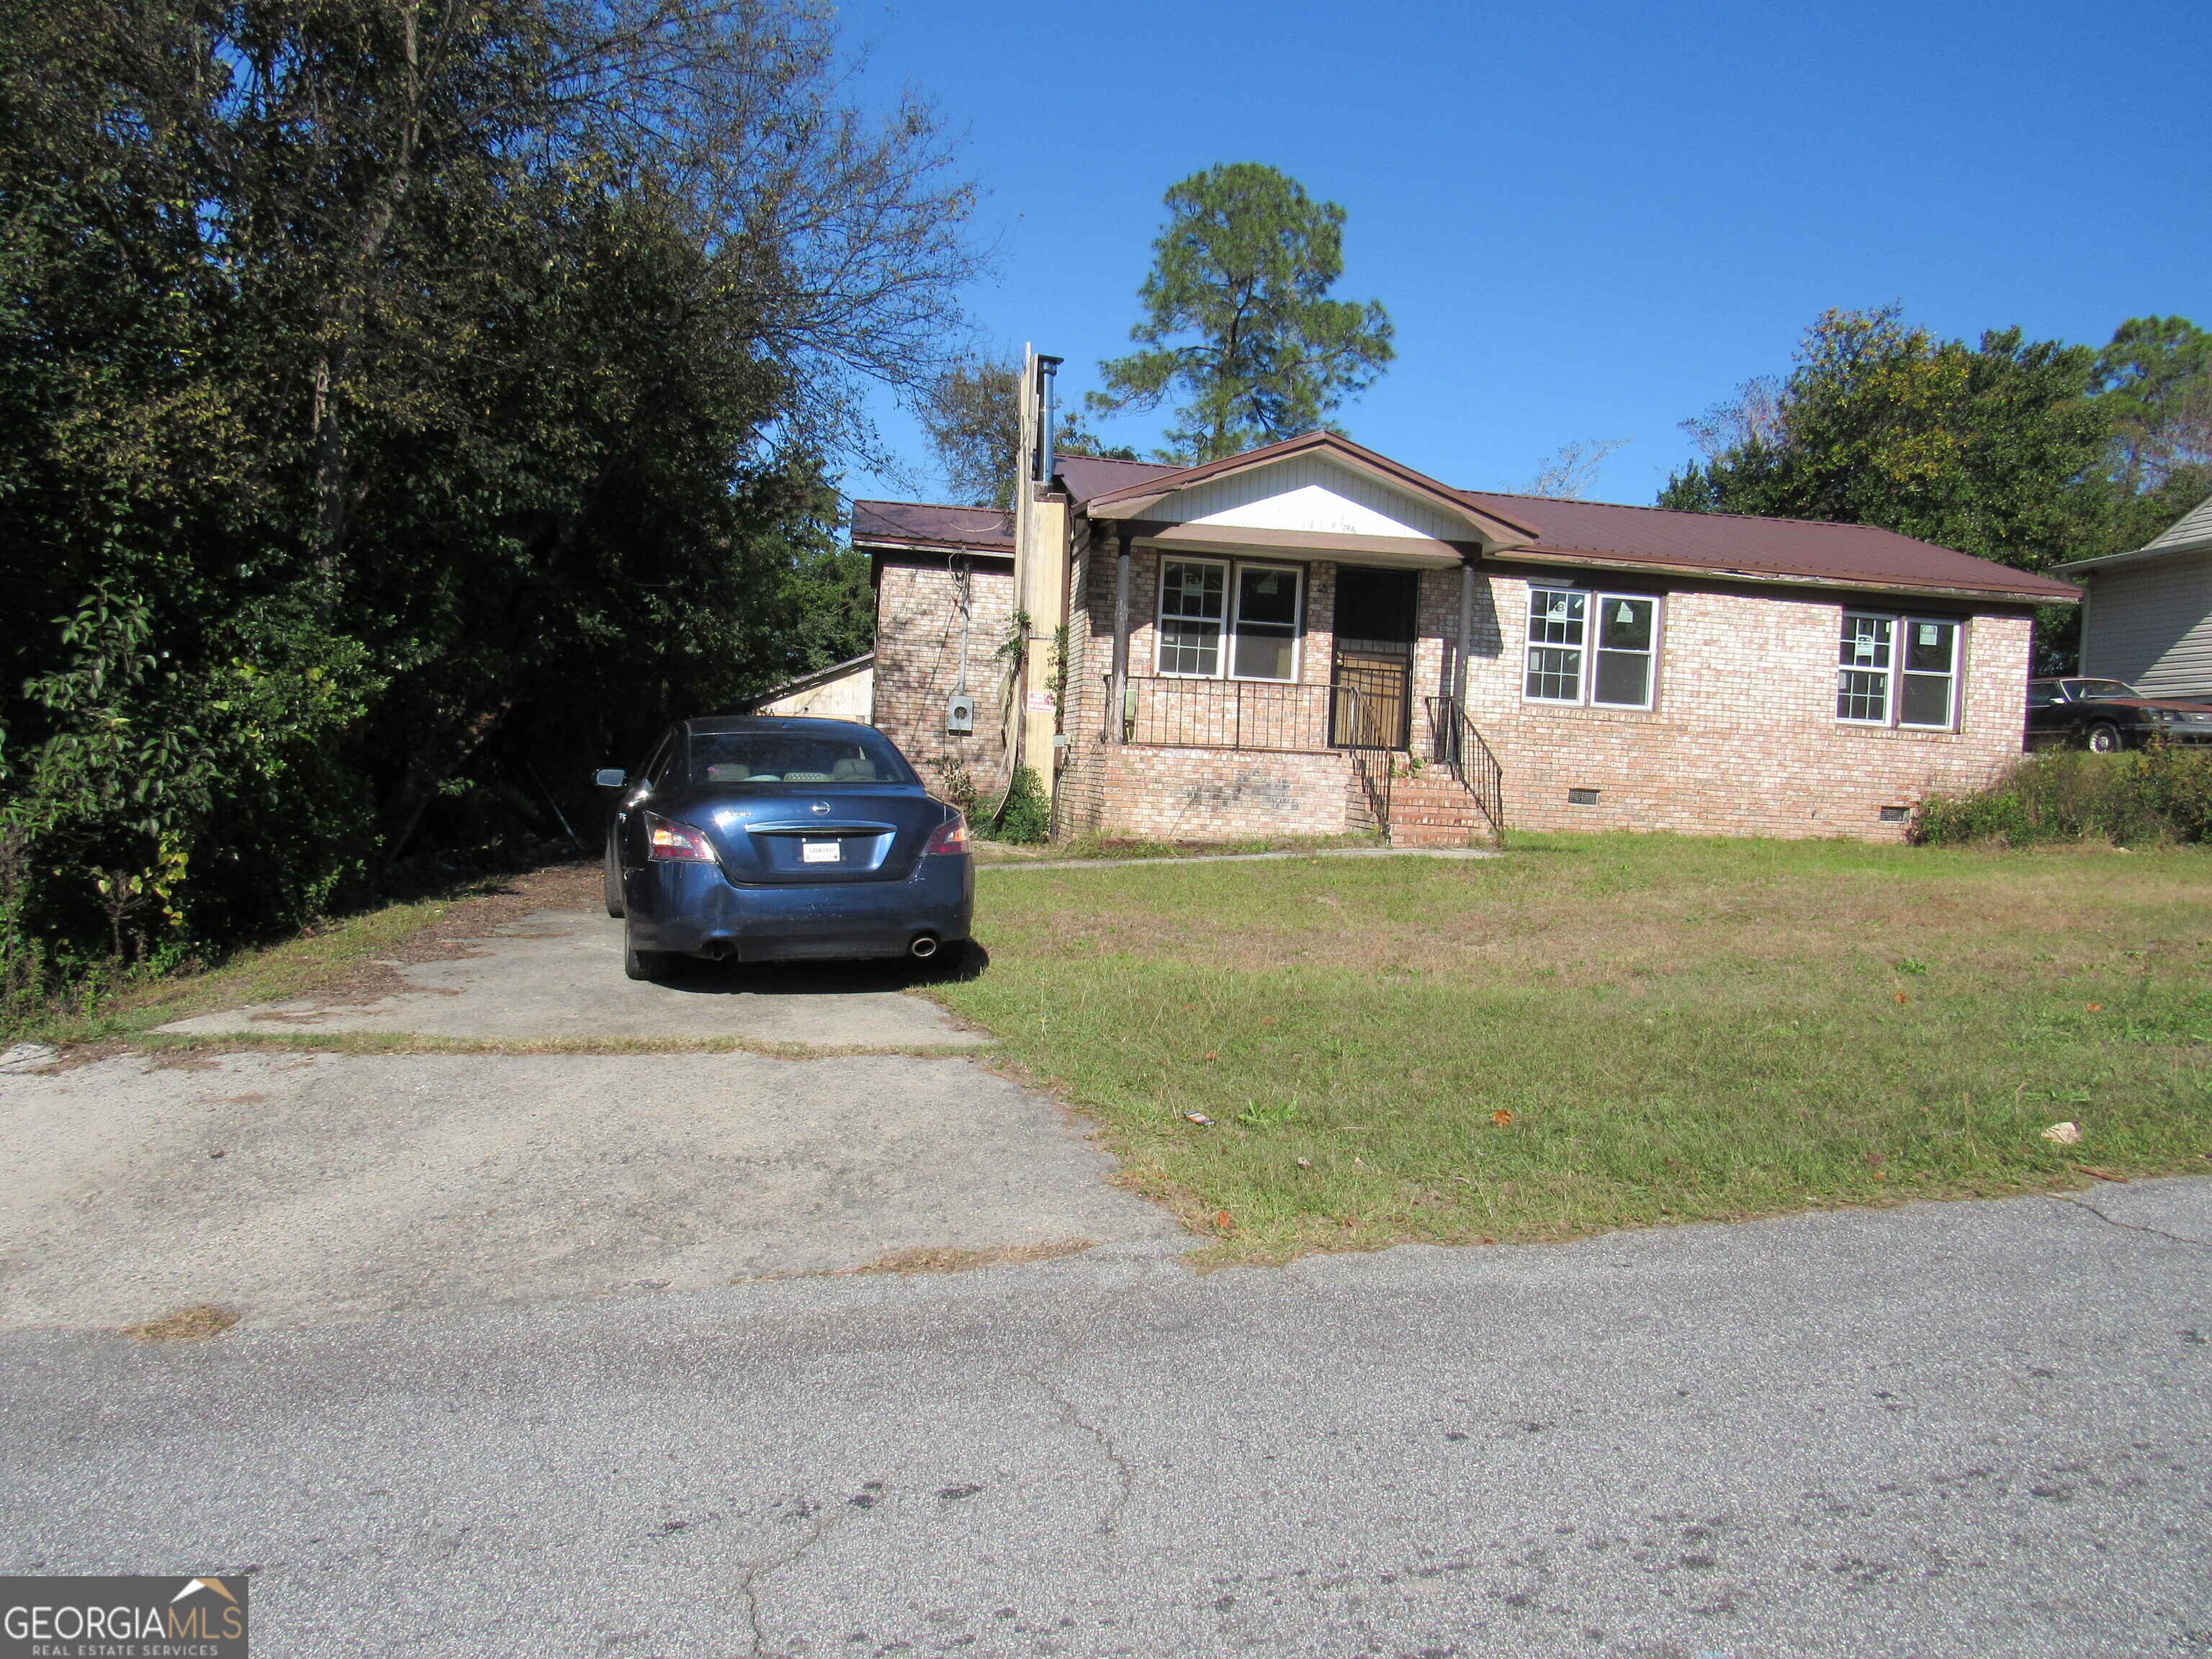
193 1324
2066 1134
1502 1118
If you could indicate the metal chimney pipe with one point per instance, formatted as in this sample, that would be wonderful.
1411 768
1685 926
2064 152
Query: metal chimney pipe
1051 368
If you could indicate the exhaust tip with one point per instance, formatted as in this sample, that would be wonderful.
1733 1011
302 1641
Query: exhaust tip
923 948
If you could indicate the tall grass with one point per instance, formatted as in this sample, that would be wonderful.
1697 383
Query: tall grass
2161 794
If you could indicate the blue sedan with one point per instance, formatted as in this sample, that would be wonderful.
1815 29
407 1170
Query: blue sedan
754 840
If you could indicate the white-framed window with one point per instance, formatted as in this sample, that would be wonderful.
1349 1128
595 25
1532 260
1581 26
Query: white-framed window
1589 647
1221 619
1898 671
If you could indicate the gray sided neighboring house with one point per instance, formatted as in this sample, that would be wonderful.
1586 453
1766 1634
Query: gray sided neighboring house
2146 616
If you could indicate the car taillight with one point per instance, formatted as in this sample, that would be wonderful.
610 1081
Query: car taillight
950 837
666 839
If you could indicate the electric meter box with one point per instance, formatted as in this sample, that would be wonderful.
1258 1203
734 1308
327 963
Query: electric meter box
960 714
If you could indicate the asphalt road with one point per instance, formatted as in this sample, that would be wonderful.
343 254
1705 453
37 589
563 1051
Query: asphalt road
1975 1430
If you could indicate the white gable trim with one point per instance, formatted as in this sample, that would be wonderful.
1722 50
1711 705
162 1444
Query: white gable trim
1310 495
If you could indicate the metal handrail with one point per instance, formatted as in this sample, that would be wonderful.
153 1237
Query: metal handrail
1453 740
1373 764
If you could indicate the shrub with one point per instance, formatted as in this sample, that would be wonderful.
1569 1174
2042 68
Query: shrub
1025 813
2162 793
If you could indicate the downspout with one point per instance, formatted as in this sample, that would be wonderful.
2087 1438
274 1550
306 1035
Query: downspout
1118 714
1466 633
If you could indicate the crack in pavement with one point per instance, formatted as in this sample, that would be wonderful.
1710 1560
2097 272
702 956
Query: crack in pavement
1126 1474
2131 1226
832 1519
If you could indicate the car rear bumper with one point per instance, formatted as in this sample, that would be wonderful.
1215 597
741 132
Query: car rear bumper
692 908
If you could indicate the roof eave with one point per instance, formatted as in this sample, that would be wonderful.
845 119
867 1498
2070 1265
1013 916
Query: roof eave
2140 556
1783 579
889 545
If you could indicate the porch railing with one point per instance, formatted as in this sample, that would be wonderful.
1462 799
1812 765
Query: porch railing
1198 714
1453 740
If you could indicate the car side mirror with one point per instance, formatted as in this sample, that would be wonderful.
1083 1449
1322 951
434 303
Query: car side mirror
611 777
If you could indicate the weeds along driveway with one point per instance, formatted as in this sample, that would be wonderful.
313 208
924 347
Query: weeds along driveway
512 1120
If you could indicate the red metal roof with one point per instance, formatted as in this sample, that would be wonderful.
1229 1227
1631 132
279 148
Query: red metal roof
918 524
1086 475
1726 543
1598 533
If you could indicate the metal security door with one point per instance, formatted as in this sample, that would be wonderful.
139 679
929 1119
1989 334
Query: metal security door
1373 658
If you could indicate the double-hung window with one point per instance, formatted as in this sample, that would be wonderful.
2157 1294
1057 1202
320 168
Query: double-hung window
1591 648
1220 620
1898 671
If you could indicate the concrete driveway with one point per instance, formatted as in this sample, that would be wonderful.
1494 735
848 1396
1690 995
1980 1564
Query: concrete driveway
557 975
291 1186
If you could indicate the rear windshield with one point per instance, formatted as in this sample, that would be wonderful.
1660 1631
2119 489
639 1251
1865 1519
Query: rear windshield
808 757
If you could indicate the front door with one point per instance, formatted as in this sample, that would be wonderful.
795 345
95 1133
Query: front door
1374 661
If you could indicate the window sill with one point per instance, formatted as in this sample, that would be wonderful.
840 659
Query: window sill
1868 729
1588 710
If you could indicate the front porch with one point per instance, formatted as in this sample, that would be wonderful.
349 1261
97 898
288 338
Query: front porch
1366 762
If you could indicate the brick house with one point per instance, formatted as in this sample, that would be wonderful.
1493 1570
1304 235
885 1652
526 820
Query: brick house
1309 639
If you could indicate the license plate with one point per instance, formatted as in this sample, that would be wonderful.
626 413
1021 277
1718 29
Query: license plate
820 852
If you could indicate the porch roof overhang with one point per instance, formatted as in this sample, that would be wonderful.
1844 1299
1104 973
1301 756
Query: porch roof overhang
1234 541
1486 528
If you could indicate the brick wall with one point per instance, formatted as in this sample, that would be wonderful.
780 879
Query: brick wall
1742 740
1744 737
1219 794
918 664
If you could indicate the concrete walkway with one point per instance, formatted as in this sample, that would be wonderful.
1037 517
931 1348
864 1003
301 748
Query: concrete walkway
1255 858
1945 1431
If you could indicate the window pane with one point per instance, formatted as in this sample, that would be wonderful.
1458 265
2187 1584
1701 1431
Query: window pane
1554 618
1925 700
1623 676
1929 645
1624 624
1263 654
1866 642
1267 596
2043 697
1862 696
1190 648
1555 674
1191 590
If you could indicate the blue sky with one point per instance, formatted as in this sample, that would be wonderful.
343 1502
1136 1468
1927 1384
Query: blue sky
1586 220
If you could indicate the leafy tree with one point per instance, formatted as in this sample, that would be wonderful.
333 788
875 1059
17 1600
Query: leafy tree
973 419
401 403
1238 320
2155 380
1995 449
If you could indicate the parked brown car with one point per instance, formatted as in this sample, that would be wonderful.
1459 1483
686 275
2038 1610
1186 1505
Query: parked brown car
2110 715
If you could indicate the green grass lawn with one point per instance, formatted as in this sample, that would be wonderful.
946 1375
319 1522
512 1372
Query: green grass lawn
1679 1028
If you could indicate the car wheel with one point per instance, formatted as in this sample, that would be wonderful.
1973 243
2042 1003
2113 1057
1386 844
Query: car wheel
613 883
2105 738
642 964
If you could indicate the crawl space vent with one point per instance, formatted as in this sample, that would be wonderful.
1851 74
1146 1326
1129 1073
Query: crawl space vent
1895 814
1582 797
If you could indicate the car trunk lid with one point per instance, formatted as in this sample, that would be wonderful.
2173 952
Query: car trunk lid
818 840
